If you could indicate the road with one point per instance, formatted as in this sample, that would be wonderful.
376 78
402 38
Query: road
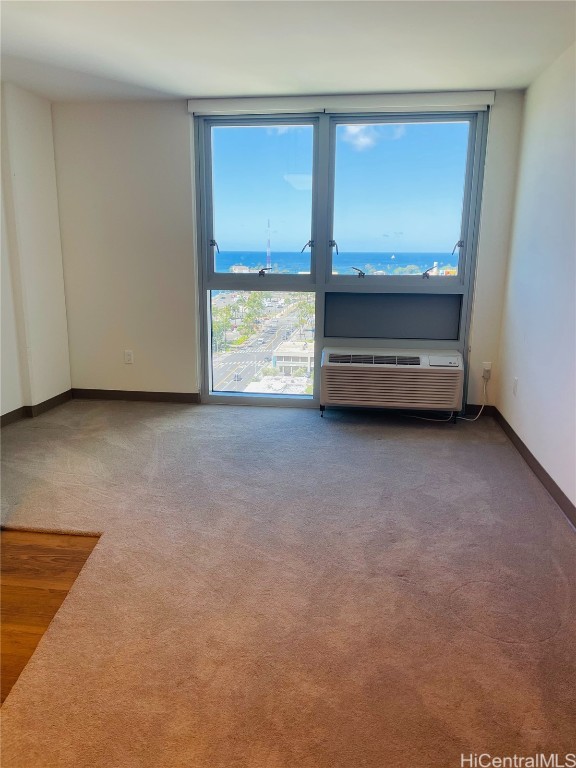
253 356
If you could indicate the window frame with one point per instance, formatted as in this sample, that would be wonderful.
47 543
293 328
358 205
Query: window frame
251 281
404 282
321 280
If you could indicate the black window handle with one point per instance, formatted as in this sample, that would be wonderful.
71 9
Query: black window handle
426 273
214 244
309 244
333 244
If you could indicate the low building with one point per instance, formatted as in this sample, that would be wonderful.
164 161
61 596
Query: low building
292 356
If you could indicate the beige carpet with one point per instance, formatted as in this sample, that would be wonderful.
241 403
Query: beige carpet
276 590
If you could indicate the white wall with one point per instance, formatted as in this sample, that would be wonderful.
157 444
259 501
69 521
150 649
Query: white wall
12 394
124 183
539 319
500 172
33 244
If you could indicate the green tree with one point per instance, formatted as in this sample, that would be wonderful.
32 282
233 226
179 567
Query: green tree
304 313
221 324
252 314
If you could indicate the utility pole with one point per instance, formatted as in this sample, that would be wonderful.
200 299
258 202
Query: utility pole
268 250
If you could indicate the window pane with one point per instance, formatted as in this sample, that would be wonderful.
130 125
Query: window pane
399 191
262 342
262 197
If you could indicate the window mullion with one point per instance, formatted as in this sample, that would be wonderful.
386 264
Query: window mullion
321 223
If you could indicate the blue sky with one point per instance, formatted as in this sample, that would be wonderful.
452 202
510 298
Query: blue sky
398 187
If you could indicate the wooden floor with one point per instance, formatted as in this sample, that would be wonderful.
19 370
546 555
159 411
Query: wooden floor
37 572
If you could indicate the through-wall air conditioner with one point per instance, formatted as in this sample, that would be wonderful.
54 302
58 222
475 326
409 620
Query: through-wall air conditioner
392 378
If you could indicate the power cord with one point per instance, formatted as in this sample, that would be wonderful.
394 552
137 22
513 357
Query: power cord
463 418
451 417
423 418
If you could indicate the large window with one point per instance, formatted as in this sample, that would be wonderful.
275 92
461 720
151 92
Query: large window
262 342
295 208
262 197
398 196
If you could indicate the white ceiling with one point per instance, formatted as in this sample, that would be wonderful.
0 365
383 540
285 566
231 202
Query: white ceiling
149 49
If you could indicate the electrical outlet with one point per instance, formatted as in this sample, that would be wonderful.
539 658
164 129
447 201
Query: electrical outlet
486 371
128 356
515 386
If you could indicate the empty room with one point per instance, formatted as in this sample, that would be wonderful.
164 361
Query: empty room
288 384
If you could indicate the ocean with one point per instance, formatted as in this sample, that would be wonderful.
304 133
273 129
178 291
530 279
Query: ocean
284 262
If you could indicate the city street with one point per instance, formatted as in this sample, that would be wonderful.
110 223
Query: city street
235 369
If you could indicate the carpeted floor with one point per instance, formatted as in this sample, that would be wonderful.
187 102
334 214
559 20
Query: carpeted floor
276 590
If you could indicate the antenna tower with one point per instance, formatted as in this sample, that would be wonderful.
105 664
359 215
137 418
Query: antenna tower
268 250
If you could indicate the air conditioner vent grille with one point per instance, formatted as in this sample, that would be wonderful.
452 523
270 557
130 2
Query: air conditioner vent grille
356 359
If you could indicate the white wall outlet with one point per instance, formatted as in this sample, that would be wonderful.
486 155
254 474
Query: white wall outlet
128 356
515 386
486 370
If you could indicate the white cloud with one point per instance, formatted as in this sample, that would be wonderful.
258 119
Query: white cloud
280 129
300 181
363 137
395 132
360 136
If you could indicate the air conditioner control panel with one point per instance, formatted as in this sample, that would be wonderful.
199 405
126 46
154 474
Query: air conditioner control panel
444 361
